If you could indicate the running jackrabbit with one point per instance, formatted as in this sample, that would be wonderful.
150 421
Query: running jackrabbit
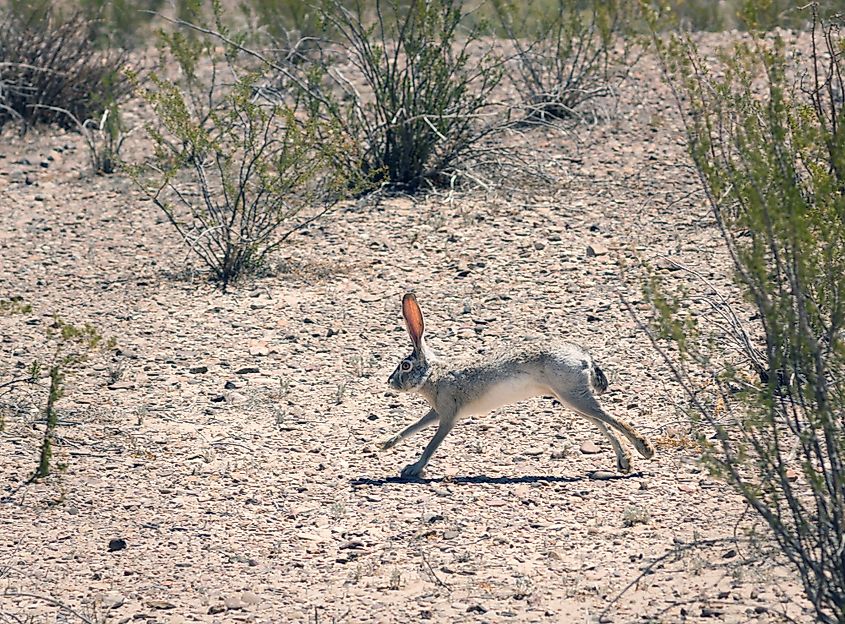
455 390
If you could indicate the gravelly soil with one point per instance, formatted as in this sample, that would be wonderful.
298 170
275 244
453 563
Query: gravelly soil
260 496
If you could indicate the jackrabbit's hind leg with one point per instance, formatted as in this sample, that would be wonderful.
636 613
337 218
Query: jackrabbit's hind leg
422 423
585 404
623 457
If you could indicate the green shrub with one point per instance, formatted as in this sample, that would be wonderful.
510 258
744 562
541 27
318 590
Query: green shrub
768 140
51 68
424 103
237 184
120 23
568 54
746 14
294 28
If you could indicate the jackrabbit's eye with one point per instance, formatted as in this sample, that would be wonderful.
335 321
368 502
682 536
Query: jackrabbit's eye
406 366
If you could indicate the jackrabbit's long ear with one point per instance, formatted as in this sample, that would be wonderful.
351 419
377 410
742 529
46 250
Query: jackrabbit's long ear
413 319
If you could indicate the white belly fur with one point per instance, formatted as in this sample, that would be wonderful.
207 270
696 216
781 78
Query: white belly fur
503 393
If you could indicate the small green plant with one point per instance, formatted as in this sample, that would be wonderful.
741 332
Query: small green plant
634 515
14 305
568 54
72 346
104 138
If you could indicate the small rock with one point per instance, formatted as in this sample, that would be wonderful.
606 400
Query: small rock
117 544
259 350
216 608
250 598
230 385
590 448
197 370
429 517
729 554
791 475
121 385
496 502
687 488
247 370
596 249
160 604
112 599
477 608
236 398
234 603
707 612
602 475
560 454
539 245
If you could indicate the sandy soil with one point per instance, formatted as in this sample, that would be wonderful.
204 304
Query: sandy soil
260 497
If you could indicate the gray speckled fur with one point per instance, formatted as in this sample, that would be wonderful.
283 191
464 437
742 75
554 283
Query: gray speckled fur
455 389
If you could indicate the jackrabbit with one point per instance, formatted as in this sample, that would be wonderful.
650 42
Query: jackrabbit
453 390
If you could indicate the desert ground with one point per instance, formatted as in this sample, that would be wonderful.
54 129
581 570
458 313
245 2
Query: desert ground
221 464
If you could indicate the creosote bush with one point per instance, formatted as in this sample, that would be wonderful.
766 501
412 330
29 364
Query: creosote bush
766 132
567 54
52 69
238 183
416 97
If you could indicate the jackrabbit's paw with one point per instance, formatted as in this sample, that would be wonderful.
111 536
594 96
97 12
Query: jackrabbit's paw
645 448
411 471
623 463
388 444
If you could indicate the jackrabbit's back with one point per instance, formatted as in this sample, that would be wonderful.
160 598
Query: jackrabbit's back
482 384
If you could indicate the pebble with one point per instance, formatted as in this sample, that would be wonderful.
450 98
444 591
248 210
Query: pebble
234 603
596 249
250 598
112 599
588 447
117 544
121 385
602 475
259 350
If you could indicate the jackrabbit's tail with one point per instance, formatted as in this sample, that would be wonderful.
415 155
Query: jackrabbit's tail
598 379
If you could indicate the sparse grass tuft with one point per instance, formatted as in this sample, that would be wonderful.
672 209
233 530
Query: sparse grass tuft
634 515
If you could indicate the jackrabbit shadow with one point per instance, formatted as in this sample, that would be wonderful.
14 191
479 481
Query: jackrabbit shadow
484 479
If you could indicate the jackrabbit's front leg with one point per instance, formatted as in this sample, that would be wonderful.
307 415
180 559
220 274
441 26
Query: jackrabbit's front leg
422 423
415 469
